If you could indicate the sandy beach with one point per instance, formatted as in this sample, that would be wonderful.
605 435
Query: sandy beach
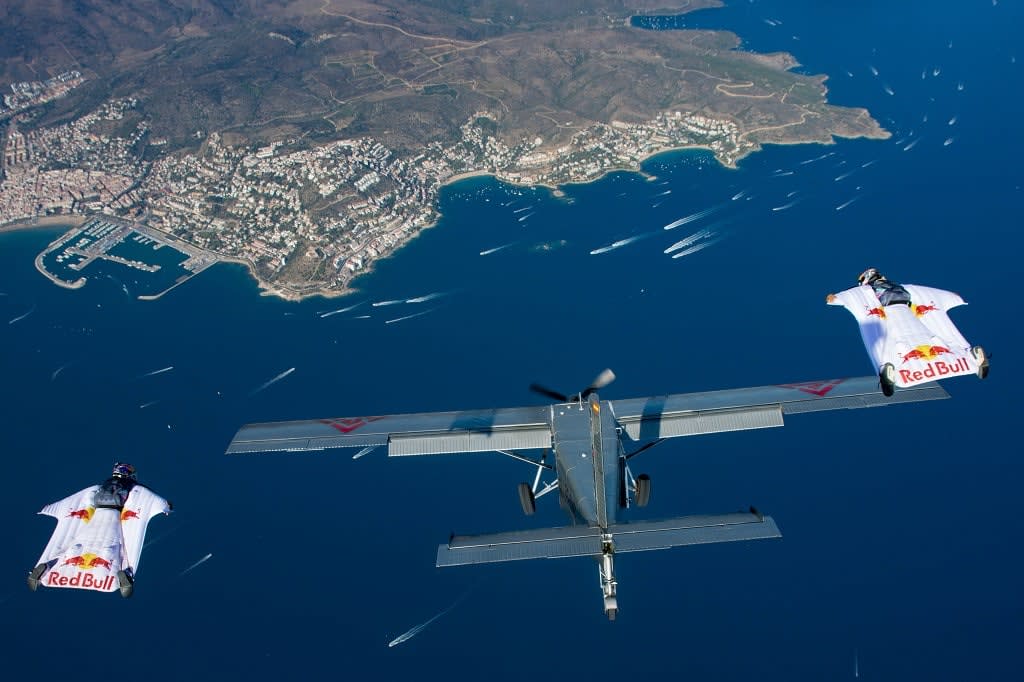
70 221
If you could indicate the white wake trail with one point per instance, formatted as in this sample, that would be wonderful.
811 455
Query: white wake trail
620 243
340 310
409 317
698 247
693 238
692 217
417 629
22 316
428 297
196 564
273 381
496 249
365 451
57 371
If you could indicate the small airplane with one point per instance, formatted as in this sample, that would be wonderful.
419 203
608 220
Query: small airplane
593 442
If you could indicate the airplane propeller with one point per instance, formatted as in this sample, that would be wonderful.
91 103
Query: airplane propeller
600 381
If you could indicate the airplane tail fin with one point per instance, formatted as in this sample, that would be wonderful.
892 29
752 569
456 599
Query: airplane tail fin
570 541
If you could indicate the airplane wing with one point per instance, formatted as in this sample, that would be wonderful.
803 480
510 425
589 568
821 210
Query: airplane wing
690 414
523 428
427 433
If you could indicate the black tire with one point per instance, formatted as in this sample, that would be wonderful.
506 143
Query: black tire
886 379
642 495
526 499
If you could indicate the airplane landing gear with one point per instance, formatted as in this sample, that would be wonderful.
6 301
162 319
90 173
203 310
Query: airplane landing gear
527 499
609 585
642 490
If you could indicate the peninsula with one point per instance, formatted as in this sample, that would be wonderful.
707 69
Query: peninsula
311 138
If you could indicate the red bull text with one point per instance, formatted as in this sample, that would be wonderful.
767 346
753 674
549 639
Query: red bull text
83 580
938 368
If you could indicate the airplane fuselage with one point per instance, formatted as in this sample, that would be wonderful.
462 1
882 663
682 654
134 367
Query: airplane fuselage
588 460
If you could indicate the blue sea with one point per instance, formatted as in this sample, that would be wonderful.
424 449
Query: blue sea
901 547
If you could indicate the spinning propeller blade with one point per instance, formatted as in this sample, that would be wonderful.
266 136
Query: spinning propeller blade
554 395
600 381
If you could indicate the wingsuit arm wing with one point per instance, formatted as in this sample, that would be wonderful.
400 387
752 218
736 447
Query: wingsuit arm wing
141 506
70 514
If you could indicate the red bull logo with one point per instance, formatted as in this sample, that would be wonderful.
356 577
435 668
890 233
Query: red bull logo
934 370
876 312
87 561
922 310
84 580
129 514
84 514
925 353
99 561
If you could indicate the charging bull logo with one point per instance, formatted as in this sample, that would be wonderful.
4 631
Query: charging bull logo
84 514
925 353
87 561
933 368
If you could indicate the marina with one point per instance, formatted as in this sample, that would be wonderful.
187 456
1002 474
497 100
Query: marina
129 244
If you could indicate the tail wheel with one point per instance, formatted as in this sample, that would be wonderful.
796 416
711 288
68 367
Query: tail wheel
642 494
526 499
887 379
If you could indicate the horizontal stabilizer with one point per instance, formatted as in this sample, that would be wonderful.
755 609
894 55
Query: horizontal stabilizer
693 530
570 541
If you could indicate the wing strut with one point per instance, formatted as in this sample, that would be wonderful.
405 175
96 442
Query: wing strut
645 447
539 464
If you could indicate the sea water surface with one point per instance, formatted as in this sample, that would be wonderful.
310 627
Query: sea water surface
901 530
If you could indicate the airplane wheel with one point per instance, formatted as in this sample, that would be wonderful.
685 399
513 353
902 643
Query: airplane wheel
612 613
887 379
526 499
642 495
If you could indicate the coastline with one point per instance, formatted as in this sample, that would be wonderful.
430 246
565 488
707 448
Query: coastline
271 288
71 221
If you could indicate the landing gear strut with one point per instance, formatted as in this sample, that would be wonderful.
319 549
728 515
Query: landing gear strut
606 570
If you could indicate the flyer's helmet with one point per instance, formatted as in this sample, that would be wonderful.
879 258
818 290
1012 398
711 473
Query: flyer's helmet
124 471
869 276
